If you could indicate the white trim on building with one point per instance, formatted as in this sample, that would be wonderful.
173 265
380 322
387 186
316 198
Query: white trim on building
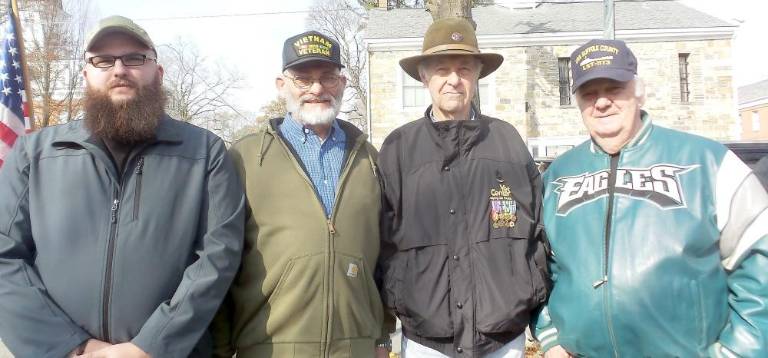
564 38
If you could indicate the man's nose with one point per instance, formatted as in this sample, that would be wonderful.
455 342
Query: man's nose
315 87
119 68
454 79
603 102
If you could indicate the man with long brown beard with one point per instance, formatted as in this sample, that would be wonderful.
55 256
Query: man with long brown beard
120 233
306 285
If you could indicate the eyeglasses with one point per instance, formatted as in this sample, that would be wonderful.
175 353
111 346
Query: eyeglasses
327 81
131 60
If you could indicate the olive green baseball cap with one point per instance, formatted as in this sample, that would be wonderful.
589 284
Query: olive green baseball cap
114 24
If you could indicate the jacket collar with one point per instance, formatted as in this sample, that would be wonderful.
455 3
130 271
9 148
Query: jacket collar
353 133
455 137
78 134
431 114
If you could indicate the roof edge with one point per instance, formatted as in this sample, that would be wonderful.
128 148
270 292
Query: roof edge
564 38
757 102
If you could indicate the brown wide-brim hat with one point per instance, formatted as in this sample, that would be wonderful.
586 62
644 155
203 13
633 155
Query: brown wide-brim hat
451 36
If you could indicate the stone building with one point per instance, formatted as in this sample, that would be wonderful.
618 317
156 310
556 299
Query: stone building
753 110
684 57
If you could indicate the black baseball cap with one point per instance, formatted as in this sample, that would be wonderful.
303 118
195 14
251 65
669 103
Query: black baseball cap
601 58
310 46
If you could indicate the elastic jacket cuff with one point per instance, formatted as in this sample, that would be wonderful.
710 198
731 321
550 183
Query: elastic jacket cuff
547 338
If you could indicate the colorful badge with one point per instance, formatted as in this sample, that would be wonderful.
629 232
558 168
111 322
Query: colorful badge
503 207
312 45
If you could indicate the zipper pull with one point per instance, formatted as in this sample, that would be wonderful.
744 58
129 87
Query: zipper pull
331 229
600 282
140 166
115 205
373 167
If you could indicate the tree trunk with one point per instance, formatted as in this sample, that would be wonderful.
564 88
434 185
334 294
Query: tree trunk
451 8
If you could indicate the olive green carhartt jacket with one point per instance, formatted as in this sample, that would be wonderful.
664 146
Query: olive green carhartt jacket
305 288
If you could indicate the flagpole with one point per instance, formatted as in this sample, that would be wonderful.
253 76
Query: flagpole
25 71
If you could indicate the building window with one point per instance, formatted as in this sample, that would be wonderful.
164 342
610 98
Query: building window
685 92
414 93
755 121
564 78
484 91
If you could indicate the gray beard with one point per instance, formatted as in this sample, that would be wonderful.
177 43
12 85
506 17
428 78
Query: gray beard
314 117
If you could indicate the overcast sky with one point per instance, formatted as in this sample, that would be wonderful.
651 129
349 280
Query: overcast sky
249 34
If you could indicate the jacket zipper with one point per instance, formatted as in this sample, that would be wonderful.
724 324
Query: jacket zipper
114 217
331 233
137 193
614 164
107 292
331 228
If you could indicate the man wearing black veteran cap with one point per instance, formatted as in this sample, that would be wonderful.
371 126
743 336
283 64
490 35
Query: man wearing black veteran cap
463 259
306 287
658 237
119 233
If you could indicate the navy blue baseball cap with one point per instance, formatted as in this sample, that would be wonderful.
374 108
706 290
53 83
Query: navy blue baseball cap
311 46
601 58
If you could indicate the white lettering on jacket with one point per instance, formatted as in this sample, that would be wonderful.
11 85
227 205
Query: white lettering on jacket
659 184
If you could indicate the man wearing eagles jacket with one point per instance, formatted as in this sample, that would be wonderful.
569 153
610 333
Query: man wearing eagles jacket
658 237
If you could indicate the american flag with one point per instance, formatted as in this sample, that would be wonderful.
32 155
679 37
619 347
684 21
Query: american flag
14 109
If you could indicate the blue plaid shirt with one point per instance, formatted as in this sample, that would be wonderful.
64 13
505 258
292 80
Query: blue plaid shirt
321 159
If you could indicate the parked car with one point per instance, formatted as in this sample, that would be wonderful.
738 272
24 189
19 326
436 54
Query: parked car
749 151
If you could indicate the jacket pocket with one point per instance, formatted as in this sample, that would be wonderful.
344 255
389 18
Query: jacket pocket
139 173
506 284
295 309
357 307
424 296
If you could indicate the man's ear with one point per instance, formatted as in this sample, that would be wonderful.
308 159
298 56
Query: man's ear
279 83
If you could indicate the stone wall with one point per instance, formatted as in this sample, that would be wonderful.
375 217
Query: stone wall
526 90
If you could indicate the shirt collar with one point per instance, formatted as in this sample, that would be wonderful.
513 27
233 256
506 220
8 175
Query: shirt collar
292 127
433 119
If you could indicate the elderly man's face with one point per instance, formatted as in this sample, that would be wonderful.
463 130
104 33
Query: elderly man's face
312 92
120 82
610 109
452 82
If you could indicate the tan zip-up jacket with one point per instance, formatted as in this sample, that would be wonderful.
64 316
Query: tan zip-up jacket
305 288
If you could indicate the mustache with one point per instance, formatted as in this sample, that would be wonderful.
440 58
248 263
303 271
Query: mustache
121 82
324 97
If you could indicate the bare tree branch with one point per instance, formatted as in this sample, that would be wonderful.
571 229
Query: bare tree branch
199 92
345 21
195 91
54 56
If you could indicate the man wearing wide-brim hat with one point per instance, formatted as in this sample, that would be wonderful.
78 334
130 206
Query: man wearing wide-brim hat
462 263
